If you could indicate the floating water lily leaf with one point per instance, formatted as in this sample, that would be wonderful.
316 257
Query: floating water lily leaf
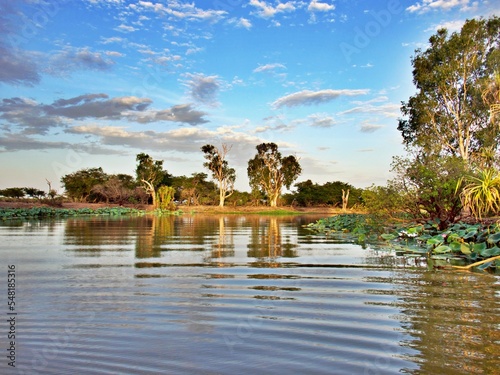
494 238
470 235
465 249
453 237
485 265
455 246
494 251
423 237
479 247
388 236
442 249
436 240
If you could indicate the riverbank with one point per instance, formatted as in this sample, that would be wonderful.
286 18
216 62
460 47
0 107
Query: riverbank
186 209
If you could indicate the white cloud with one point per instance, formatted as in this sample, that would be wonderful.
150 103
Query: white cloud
451 26
316 6
240 22
320 120
368 127
114 54
184 140
266 10
183 113
126 29
268 67
307 97
387 110
440 5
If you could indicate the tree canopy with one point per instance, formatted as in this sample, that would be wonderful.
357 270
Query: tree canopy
268 171
150 174
218 165
78 185
448 126
449 114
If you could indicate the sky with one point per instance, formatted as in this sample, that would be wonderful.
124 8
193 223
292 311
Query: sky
92 83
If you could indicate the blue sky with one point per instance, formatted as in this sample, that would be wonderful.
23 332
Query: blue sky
93 83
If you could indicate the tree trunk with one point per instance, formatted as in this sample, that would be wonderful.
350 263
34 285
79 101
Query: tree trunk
273 200
151 190
222 197
345 199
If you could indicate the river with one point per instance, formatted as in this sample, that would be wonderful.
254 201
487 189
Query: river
234 294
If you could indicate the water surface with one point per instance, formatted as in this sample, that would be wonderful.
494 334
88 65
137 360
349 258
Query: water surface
236 295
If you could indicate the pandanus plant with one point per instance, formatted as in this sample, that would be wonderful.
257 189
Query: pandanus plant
481 193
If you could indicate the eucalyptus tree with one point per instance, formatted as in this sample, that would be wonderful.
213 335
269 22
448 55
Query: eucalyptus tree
218 165
447 125
150 174
455 79
268 171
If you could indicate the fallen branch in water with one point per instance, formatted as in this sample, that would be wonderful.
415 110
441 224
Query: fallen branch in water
477 263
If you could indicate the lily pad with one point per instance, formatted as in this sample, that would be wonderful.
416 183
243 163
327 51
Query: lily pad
494 238
479 247
388 236
455 246
442 249
492 252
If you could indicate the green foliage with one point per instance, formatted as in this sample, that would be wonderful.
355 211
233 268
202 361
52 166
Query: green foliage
481 193
460 241
47 212
428 186
357 228
383 200
221 172
195 190
150 174
13 192
239 198
34 192
268 171
165 198
330 194
447 115
78 185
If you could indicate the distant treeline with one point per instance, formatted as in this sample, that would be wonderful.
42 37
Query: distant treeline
93 185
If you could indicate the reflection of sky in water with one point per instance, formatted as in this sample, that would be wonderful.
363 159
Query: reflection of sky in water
241 294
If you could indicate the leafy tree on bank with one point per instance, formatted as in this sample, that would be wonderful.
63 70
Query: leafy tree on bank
429 187
218 165
150 174
446 126
13 192
117 189
79 185
385 201
328 194
268 171
448 116
194 190
34 192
